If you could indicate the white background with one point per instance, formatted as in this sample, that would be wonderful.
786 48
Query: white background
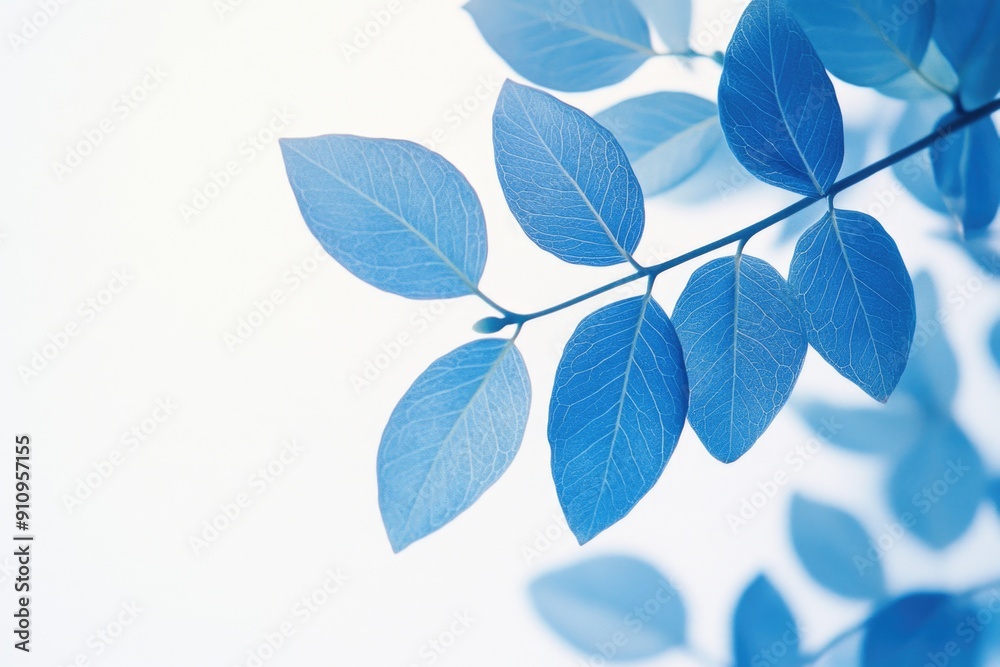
191 282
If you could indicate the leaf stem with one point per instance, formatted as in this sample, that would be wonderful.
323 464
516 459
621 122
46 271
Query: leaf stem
961 121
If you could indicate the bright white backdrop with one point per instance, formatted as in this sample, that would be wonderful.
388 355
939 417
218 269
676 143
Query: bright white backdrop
177 93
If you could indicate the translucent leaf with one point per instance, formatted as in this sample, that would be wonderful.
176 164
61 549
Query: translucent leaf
932 371
667 136
565 45
966 31
393 213
613 607
452 435
890 430
616 413
858 299
671 19
744 345
828 542
867 42
967 173
915 172
995 343
764 630
937 487
935 77
566 179
921 629
777 105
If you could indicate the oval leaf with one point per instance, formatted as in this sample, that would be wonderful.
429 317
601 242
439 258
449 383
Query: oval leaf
743 346
867 42
936 79
966 31
967 173
393 213
778 108
568 46
616 413
451 436
764 630
858 299
919 629
671 19
667 136
614 607
566 179
833 548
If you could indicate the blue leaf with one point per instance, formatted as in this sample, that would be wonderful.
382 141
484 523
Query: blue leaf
932 371
995 493
995 343
393 213
966 31
743 346
935 79
915 172
569 46
671 19
829 541
613 607
918 630
967 172
867 42
890 430
764 630
667 136
937 487
616 413
778 108
566 179
858 299
450 438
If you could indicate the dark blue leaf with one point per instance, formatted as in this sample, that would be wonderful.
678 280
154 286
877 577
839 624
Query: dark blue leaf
451 436
966 31
921 629
915 172
671 19
743 346
566 178
967 172
867 42
568 45
830 542
937 487
393 213
932 371
667 136
778 108
890 430
616 413
995 343
613 607
858 299
764 630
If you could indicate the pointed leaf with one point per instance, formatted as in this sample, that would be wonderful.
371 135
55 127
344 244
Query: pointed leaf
966 31
667 136
452 435
743 346
967 173
829 542
616 413
918 629
393 213
671 19
617 607
778 108
566 179
764 630
858 299
569 46
867 42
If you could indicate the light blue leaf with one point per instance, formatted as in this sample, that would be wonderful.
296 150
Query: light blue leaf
995 343
671 19
936 79
995 493
566 179
917 629
393 213
667 136
568 45
614 607
858 299
867 42
932 371
915 172
764 630
778 108
936 489
828 542
451 436
966 31
967 172
743 346
890 430
616 413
